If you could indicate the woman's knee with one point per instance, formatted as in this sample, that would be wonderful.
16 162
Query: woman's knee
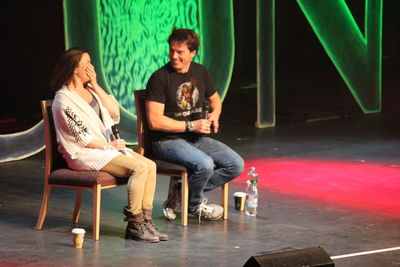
140 168
151 165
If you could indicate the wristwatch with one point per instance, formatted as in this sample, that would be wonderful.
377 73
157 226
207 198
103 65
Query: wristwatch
189 126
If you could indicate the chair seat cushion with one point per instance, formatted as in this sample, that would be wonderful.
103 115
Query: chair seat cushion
169 167
84 178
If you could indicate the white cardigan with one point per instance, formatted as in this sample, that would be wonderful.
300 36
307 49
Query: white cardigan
77 124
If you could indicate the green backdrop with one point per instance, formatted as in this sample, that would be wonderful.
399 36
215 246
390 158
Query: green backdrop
127 41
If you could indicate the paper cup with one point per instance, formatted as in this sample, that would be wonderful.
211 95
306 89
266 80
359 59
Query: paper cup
240 198
78 235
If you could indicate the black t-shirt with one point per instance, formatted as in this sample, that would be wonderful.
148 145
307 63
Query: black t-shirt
183 95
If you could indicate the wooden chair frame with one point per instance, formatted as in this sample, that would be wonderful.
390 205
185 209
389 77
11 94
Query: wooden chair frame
50 166
178 171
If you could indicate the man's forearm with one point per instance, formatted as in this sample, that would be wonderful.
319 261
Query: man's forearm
216 104
167 124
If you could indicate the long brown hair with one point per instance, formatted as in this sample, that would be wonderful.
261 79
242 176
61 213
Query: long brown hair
65 67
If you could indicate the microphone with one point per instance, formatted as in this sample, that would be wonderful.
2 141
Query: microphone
206 109
87 84
115 132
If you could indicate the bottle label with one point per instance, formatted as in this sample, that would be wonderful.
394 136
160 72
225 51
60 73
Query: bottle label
252 205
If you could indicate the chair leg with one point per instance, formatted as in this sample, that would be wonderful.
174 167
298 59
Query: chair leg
43 208
77 209
96 211
224 196
184 198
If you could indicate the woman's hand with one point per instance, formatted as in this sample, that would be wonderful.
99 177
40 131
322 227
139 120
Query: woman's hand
91 73
119 144
109 102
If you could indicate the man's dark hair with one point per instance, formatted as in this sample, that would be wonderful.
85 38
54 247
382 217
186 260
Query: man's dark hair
185 36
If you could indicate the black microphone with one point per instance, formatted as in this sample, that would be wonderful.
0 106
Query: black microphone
115 132
87 85
206 109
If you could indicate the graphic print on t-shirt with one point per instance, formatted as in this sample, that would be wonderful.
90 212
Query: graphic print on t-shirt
187 95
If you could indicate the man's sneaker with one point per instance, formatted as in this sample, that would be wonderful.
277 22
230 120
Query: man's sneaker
169 214
173 203
208 212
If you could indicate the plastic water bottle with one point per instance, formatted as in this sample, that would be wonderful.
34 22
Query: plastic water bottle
251 193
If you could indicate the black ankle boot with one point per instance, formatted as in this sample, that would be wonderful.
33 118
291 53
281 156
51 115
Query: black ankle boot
148 221
137 229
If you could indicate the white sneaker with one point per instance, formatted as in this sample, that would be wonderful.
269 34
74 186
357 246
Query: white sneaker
208 212
172 205
169 214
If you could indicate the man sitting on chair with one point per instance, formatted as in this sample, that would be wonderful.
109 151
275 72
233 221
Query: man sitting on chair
175 98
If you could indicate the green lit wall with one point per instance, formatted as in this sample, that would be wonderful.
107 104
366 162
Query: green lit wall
355 53
355 50
265 63
127 41
133 40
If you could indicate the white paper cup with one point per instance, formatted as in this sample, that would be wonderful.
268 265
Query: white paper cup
78 235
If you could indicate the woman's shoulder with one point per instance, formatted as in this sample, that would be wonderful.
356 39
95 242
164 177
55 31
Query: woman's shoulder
61 91
62 96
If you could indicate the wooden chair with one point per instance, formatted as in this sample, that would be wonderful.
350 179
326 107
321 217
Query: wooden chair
57 174
163 167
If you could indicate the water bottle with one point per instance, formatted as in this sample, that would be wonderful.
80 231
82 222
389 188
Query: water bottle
251 193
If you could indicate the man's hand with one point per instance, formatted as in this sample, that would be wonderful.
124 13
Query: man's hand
214 119
202 126
216 107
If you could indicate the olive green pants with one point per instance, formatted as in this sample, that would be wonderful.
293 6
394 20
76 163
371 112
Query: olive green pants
142 179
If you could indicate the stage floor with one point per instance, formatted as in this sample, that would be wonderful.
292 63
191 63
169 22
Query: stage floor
331 181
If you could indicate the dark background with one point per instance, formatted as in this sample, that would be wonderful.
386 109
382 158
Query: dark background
308 85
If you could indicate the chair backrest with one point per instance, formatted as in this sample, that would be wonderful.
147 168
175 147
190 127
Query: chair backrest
54 159
144 135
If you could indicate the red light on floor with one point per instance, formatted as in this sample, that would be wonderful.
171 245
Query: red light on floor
354 184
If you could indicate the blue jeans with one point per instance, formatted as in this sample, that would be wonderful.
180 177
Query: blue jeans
211 163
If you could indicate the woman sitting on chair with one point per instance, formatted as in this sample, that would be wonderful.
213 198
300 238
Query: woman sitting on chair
84 115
